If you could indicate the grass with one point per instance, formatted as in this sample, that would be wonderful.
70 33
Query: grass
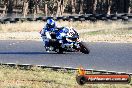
36 77
36 26
99 31
121 36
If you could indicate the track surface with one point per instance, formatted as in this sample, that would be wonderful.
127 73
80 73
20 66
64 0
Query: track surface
103 56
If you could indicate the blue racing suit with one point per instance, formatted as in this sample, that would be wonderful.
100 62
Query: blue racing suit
45 34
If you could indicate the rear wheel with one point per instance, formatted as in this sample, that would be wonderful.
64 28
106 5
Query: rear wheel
83 48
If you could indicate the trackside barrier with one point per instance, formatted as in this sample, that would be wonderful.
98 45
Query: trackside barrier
55 68
84 17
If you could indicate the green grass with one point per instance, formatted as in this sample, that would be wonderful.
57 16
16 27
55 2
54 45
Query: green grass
36 77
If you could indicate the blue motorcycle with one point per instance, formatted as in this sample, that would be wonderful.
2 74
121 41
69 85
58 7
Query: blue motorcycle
67 40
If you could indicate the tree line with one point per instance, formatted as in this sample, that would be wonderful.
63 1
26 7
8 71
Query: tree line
64 7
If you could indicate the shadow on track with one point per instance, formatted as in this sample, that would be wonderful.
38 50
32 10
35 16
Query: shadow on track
26 53
38 53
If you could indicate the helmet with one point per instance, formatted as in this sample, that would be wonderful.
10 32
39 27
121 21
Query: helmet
50 23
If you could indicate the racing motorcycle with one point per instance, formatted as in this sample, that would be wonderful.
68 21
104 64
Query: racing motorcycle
67 41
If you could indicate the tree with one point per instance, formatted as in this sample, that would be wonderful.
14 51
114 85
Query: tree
73 6
64 5
109 6
58 8
25 7
46 9
94 6
5 6
130 6
9 7
81 6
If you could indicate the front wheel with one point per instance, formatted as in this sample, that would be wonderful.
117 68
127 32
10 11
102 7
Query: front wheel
83 48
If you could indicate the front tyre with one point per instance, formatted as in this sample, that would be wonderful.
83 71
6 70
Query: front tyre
83 48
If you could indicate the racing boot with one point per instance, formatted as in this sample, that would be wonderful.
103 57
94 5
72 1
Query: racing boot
47 49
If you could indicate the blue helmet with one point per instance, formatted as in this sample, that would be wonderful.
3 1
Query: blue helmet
50 23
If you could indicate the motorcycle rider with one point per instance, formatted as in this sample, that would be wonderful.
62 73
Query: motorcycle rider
51 27
45 32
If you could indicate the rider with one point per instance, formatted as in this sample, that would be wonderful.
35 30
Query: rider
51 27
45 32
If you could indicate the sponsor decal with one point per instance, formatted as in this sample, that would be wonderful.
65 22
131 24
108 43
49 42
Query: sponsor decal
83 78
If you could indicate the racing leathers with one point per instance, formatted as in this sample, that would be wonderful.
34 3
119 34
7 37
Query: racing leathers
46 35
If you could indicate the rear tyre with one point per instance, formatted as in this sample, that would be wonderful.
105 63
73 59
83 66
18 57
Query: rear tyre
83 48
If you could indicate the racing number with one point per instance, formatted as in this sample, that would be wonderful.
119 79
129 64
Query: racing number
71 33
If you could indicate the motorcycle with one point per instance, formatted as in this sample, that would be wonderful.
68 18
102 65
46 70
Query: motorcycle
67 41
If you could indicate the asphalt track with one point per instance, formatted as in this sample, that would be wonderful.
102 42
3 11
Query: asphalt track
103 56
